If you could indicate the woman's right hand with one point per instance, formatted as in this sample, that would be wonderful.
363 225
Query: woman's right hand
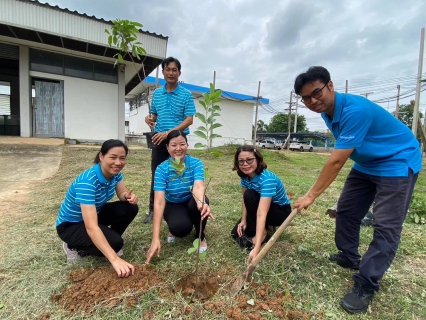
123 268
155 247
241 227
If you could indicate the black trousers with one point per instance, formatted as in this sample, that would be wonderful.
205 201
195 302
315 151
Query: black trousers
159 154
392 197
182 217
276 214
118 215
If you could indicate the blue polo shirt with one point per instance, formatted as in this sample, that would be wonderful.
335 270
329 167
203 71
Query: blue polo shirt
268 185
383 145
172 107
90 187
178 188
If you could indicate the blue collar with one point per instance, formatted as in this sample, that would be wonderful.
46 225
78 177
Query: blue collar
99 174
176 91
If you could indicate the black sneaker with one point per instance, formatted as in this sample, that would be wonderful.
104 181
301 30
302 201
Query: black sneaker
148 219
357 300
342 260
367 220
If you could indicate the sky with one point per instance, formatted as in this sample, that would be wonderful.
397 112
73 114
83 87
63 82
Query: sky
374 45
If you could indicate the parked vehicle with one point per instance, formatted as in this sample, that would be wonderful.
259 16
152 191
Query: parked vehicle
301 146
267 144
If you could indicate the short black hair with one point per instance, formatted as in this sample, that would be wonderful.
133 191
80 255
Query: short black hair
168 60
108 145
261 165
314 73
174 134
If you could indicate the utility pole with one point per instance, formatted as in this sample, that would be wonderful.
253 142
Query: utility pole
346 87
397 102
295 116
156 78
255 118
419 78
214 79
289 119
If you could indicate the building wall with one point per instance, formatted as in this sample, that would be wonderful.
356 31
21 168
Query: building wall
90 108
236 118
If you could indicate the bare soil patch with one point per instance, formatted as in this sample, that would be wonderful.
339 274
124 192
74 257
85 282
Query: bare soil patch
207 286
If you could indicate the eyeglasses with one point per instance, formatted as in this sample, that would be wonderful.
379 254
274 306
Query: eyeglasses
248 161
316 95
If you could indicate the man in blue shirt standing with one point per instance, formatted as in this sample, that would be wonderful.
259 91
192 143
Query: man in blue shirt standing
387 162
172 108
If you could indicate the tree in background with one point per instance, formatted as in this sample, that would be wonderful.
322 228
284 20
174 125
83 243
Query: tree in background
406 112
261 126
279 123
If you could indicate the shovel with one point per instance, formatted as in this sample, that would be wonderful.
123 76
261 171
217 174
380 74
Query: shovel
246 275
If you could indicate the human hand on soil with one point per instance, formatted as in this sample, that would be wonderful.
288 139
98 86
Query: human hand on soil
149 121
131 197
155 247
123 268
159 137
241 227
253 254
303 203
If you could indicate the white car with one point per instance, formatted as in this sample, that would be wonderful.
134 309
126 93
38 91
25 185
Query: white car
301 146
267 144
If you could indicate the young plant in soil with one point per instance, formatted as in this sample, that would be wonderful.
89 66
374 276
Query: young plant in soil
211 111
197 242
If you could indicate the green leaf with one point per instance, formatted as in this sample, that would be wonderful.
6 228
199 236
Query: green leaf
191 250
120 58
206 174
195 243
216 125
214 135
203 103
202 129
216 95
201 117
416 218
1 305
202 255
201 134
137 24
114 40
216 108
199 145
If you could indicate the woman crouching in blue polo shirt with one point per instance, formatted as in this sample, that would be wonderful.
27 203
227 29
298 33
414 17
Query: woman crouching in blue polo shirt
182 210
85 215
265 202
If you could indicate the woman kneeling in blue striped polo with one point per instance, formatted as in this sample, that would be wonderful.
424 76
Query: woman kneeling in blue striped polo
179 195
89 224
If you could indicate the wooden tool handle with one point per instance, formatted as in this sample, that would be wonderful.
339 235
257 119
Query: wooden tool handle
274 238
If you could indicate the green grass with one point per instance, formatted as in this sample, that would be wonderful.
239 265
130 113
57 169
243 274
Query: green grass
33 267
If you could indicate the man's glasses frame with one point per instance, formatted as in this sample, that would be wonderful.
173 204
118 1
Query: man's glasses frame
316 95
248 161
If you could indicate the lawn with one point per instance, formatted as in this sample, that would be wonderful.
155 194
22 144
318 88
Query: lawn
33 266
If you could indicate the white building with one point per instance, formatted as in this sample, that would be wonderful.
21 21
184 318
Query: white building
236 116
58 76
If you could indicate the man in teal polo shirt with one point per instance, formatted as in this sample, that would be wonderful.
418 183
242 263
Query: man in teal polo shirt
387 162
172 108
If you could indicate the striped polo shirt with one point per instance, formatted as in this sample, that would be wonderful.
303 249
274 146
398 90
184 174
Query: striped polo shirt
172 107
178 188
90 187
268 185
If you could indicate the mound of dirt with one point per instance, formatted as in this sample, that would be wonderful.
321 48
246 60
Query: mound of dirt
102 287
207 286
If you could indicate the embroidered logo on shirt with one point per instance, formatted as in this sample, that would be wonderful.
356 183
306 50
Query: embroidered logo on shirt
346 137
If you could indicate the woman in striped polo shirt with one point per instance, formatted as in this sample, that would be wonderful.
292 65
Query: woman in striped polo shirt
265 202
89 225
179 195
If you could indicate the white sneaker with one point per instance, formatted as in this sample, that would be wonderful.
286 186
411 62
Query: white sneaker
120 253
203 249
171 239
72 254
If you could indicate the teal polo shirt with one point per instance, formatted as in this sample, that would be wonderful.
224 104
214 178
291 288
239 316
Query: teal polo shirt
172 107
383 145
268 185
91 188
178 188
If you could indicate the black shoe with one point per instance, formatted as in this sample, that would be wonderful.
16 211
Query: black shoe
367 220
357 300
148 219
266 239
244 242
342 260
